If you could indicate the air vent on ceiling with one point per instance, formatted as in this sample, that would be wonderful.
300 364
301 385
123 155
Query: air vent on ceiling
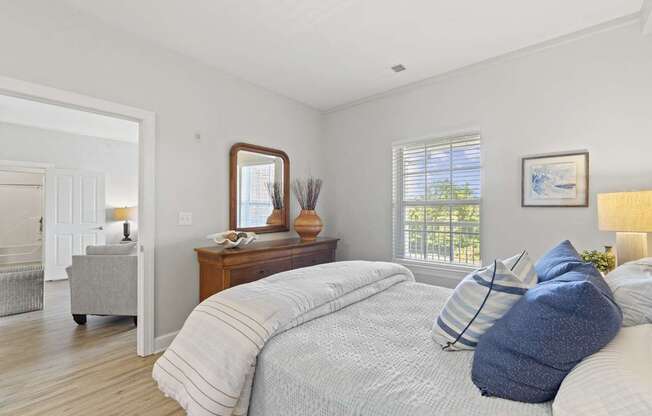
398 68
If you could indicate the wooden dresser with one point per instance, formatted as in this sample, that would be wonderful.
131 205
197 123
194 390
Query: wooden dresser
221 268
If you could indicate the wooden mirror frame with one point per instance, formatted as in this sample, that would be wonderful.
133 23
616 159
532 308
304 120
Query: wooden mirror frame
233 185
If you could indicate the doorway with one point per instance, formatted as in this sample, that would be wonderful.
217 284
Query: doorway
79 190
21 215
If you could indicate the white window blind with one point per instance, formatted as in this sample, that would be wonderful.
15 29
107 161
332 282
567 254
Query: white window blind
255 203
436 200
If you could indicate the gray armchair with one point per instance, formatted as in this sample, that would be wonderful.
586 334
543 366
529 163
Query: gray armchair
104 282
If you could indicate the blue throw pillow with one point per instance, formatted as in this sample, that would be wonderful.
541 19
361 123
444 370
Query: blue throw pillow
527 353
559 260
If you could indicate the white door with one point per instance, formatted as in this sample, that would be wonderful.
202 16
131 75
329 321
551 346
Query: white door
75 217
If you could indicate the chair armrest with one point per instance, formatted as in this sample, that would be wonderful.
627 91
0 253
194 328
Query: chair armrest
104 284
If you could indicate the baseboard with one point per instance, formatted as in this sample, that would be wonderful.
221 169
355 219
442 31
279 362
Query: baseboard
58 279
162 342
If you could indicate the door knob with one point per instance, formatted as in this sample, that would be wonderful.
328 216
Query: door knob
99 228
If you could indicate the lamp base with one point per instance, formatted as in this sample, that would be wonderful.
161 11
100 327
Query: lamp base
630 247
126 231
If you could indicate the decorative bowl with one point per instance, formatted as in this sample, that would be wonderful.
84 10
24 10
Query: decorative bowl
221 239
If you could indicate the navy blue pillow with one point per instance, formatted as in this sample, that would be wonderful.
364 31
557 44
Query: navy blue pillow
559 260
527 353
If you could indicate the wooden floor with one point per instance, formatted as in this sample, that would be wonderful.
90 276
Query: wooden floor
50 366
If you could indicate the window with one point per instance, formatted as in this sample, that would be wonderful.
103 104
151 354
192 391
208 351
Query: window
255 205
436 200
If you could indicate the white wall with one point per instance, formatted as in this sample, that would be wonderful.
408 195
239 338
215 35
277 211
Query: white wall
594 93
45 43
117 159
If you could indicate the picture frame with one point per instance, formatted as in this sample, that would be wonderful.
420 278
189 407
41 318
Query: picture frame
555 180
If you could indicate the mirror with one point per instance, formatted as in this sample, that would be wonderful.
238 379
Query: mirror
259 189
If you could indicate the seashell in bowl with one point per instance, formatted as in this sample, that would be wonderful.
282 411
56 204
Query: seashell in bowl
241 241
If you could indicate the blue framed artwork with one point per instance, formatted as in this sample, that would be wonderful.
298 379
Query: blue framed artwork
555 180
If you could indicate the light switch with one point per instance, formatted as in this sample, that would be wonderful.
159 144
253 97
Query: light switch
185 218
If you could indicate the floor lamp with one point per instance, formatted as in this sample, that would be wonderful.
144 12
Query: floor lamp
629 214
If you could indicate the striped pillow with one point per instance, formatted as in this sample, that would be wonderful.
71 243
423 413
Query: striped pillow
523 268
482 298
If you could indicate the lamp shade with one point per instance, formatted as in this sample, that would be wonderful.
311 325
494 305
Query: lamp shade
625 211
124 214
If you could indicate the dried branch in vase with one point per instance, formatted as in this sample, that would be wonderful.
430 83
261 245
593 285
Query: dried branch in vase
307 192
275 191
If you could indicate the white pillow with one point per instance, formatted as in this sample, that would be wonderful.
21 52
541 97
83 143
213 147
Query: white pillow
616 381
473 308
631 285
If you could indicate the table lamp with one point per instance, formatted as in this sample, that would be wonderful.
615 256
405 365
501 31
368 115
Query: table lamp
125 214
629 214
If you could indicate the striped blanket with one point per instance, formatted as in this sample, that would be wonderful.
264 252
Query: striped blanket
210 365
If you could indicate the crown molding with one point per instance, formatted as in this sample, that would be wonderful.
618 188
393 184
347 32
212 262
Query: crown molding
635 18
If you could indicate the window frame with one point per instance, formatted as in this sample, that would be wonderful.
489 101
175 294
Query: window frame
398 206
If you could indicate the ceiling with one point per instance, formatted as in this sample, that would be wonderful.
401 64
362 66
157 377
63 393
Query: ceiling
53 117
326 53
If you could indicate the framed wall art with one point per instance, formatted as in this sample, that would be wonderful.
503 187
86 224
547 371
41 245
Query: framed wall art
555 180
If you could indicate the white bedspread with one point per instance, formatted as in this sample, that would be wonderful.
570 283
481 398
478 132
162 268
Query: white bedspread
374 358
210 365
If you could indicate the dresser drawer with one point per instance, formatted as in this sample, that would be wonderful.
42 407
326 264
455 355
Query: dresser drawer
221 268
317 257
242 275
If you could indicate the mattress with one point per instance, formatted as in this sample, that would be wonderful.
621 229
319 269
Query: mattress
374 358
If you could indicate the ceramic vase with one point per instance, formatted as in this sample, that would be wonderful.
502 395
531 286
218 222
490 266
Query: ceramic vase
308 225
275 218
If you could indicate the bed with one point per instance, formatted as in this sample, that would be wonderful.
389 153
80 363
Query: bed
375 357
348 338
